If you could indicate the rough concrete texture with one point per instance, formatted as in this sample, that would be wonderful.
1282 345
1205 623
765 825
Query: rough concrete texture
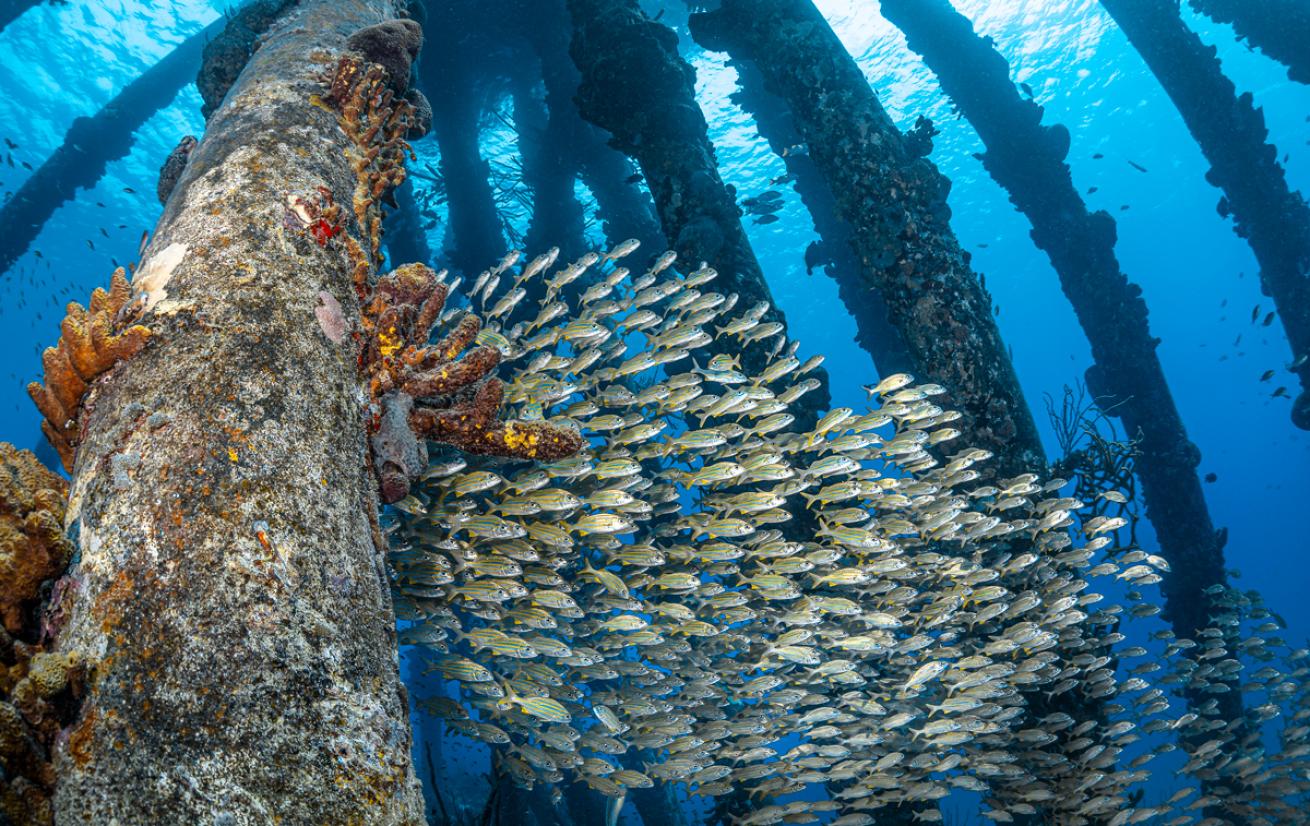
231 605
895 201
226 55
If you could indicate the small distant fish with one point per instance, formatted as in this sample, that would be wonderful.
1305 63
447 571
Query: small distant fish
1237 340
10 144
1212 477
89 244
102 232
1097 156
1266 375
1268 319
782 179
1255 313
766 219
129 190
1299 362
1280 393
1124 207
795 149
99 204
634 178
1137 166
27 165
982 245
1027 90
1092 190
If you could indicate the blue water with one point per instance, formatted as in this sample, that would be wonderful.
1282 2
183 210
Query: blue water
61 62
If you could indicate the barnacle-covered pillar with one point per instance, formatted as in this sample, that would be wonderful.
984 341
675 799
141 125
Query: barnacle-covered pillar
895 201
833 253
1279 28
1273 218
229 603
91 143
637 87
1028 160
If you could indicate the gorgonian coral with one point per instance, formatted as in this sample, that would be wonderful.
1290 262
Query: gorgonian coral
444 392
93 341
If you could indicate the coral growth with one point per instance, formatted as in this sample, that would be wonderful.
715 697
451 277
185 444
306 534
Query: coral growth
423 391
38 690
171 172
93 341
226 55
393 44
33 548
376 121
44 701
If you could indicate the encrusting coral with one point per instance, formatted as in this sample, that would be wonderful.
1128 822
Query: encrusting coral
93 341
394 45
33 683
42 704
417 391
428 391
33 548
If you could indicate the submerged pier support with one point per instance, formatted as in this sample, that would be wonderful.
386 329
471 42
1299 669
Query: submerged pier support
475 237
834 253
637 87
229 608
895 201
1028 160
1279 28
1231 132
92 143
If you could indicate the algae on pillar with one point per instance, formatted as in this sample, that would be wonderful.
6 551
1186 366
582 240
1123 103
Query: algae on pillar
1272 217
637 87
895 201
229 603
1028 160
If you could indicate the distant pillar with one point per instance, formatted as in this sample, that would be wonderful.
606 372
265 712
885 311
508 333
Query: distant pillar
549 170
624 210
636 86
1231 133
1028 160
895 201
474 223
91 143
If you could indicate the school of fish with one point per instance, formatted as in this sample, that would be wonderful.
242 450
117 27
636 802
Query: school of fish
765 607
